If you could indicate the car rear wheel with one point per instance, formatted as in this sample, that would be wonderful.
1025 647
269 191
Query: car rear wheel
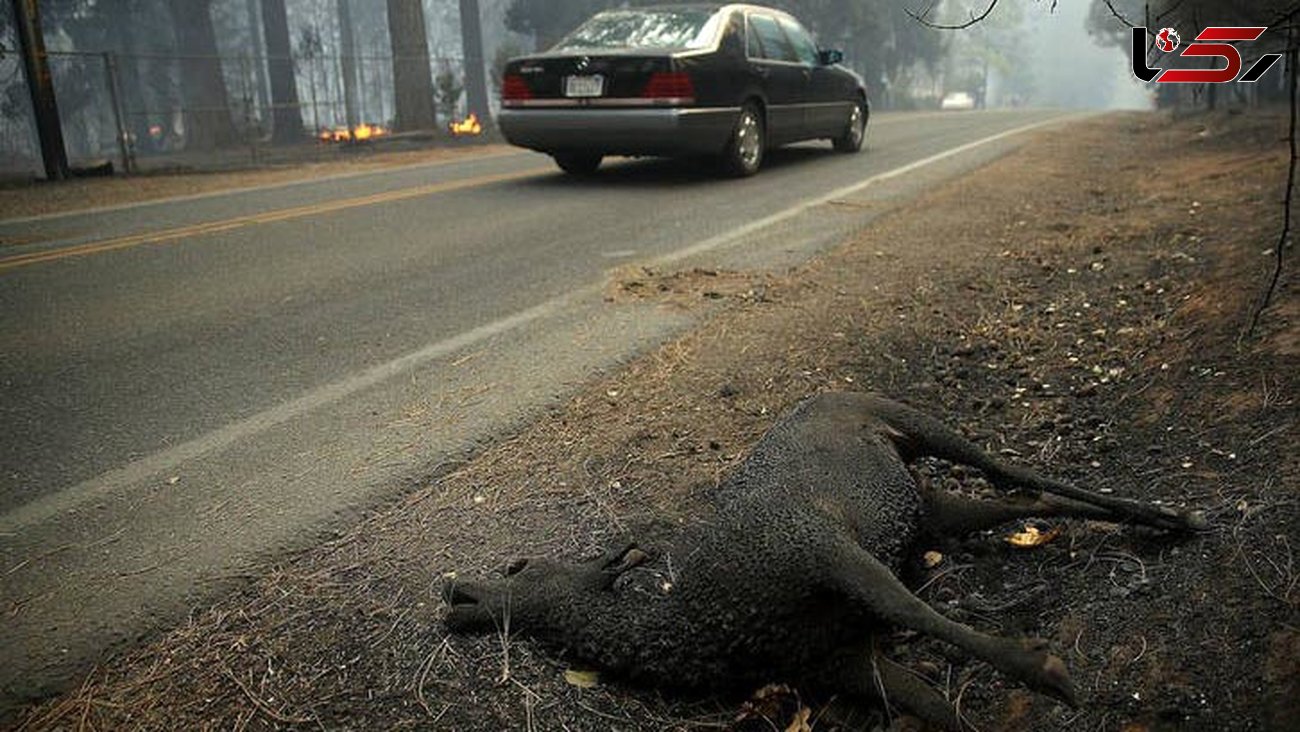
855 131
578 163
744 153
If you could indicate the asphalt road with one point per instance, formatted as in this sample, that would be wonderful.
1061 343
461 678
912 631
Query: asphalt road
193 386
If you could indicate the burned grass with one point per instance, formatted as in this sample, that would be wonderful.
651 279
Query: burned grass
1073 306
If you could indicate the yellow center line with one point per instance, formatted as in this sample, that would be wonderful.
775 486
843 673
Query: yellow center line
212 227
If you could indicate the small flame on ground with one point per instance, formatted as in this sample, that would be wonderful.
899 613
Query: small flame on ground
360 133
469 126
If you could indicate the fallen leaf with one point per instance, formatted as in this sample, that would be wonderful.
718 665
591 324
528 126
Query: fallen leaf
1032 537
582 679
800 721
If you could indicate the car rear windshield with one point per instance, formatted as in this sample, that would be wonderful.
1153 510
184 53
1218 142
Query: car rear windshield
655 29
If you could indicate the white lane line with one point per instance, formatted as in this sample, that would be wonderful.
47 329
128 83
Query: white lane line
50 505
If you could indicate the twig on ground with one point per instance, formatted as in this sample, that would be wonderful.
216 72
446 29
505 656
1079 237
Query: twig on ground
530 702
1256 440
957 707
504 634
424 673
941 574
1077 649
1286 574
1142 652
261 705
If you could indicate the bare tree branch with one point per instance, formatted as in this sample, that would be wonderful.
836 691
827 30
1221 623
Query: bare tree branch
1169 11
923 20
1285 16
1117 14
1293 55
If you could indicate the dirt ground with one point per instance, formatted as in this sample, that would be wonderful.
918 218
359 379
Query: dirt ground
1077 306
29 198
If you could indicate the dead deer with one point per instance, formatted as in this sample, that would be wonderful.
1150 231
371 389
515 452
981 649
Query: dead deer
795 572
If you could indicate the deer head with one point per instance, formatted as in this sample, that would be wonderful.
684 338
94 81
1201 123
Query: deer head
536 594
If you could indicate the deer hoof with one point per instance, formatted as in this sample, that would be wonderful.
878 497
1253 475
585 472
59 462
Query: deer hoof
1046 673
1057 679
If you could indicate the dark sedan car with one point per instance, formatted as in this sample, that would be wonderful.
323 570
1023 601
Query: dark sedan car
727 81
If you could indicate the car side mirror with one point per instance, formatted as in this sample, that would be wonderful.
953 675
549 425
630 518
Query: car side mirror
829 56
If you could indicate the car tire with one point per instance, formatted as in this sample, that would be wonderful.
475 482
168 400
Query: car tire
743 155
855 130
577 163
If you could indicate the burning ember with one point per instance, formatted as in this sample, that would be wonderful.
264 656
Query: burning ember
361 133
469 126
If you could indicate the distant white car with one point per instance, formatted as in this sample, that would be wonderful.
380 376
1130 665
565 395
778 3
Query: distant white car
957 101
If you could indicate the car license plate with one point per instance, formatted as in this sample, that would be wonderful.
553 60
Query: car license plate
584 86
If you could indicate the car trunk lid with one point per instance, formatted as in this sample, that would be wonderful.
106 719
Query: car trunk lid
578 79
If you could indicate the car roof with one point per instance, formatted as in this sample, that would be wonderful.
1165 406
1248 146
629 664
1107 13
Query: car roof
706 6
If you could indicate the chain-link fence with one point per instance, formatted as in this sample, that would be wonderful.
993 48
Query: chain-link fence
158 111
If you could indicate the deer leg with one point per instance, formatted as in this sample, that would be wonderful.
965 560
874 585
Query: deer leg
952 515
917 435
901 686
867 583
880 681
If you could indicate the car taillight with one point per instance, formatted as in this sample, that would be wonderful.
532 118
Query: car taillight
515 89
670 85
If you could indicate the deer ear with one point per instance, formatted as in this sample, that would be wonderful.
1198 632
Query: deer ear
631 558
621 560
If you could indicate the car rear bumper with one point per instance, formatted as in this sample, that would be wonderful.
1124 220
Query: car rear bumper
670 131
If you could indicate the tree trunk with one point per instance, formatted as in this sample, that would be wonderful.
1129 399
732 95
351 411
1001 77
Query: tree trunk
27 22
412 77
286 116
259 57
471 33
347 51
207 110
